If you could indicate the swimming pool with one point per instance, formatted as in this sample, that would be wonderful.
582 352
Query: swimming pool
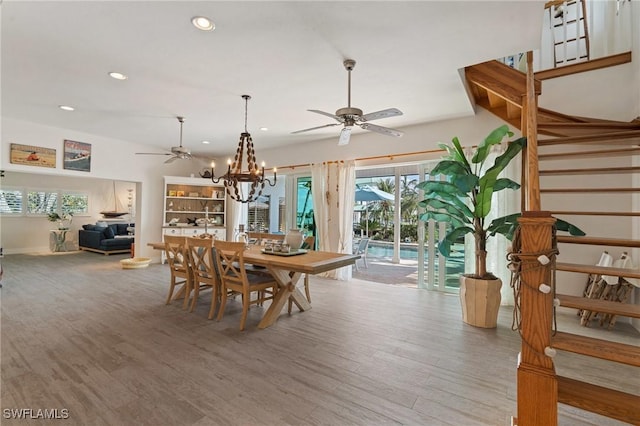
386 250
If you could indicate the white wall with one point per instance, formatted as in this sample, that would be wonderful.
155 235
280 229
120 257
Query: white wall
111 159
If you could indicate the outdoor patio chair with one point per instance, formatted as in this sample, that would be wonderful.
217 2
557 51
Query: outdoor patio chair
362 249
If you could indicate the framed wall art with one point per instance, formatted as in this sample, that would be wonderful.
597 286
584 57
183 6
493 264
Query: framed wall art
77 156
32 155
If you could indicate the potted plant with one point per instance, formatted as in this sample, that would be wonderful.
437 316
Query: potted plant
464 201
64 221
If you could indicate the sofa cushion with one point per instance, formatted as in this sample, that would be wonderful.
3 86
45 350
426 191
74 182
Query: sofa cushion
116 243
88 227
108 233
121 228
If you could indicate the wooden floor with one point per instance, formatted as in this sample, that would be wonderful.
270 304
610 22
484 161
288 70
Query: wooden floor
82 334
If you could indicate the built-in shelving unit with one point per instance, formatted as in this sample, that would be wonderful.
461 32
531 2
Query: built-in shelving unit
187 200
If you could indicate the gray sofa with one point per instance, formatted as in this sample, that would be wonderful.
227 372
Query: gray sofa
109 239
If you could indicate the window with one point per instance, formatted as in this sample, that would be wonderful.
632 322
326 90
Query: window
36 202
10 201
75 203
41 202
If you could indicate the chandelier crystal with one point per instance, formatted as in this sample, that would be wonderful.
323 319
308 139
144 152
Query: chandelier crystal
251 175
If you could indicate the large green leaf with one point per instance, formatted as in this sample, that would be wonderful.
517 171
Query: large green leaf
460 153
449 198
442 217
505 183
487 181
450 168
452 236
439 187
449 207
495 137
506 226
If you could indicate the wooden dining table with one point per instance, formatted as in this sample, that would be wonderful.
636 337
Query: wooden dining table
287 271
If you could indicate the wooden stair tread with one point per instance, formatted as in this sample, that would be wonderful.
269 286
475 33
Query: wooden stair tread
596 170
598 305
598 348
590 213
586 190
630 136
597 399
599 270
592 153
598 241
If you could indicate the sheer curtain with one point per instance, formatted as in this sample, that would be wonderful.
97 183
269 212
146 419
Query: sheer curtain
333 191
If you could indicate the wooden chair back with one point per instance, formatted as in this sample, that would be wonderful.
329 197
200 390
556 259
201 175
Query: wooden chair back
175 248
230 261
234 279
203 269
177 254
202 260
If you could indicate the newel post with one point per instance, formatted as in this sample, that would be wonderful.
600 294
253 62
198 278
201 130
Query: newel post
537 383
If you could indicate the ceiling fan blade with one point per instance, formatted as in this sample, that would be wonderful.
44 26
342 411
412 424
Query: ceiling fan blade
153 153
389 112
382 130
345 135
171 160
315 128
328 114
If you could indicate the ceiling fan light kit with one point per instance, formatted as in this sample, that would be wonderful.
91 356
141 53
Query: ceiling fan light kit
350 116
253 175
177 152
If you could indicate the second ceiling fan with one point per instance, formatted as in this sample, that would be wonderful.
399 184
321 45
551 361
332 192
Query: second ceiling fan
350 116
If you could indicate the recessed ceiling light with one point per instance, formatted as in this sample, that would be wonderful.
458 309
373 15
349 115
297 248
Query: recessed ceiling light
203 23
264 129
118 75
66 107
206 142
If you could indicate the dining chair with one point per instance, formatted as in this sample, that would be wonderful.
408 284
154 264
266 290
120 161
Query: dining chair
203 270
362 248
309 243
235 280
178 260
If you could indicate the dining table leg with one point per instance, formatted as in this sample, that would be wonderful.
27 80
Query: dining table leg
287 281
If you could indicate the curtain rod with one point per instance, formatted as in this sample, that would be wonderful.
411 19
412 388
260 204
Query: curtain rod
377 157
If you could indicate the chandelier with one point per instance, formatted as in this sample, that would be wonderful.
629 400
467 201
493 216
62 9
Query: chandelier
252 175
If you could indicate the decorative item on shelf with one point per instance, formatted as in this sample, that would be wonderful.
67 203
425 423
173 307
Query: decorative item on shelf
294 238
235 175
64 221
205 173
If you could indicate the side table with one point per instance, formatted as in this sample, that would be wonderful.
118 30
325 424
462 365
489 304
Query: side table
58 240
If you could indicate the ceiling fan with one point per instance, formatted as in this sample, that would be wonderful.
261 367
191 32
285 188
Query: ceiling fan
350 116
177 152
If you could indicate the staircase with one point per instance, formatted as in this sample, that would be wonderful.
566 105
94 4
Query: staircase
589 148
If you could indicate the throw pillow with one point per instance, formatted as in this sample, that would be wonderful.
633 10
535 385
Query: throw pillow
88 227
108 233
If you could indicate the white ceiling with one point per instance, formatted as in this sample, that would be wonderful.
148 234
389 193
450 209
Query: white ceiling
287 55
